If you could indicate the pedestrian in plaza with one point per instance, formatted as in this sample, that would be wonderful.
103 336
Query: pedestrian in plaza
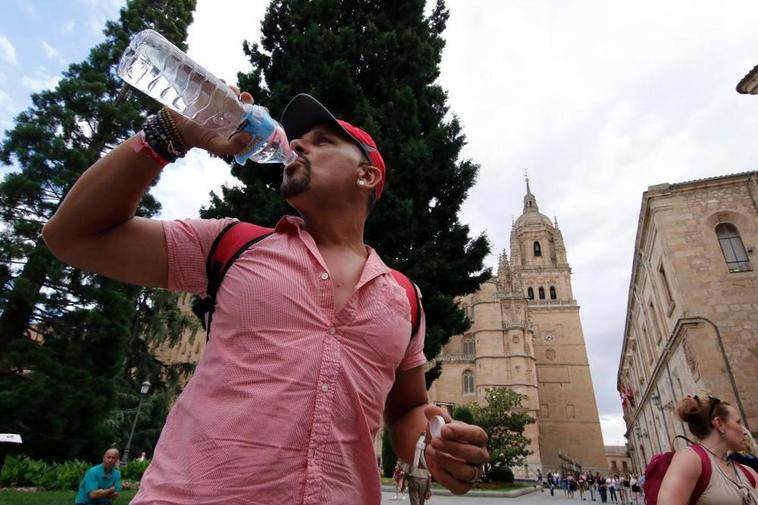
718 429
603 488
311 341
551 482
624 489
419 479
398 477
582 485
592 485
101 484
539 481
613 484
636 489
572 486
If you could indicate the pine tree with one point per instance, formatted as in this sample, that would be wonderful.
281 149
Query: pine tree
60 384
375 63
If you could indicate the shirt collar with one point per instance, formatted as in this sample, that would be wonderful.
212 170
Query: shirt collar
374 265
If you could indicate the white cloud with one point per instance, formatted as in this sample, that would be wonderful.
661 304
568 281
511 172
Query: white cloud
613 430
51 52
220 51
6 102
7 50
68 26
101 11
186 185
39 84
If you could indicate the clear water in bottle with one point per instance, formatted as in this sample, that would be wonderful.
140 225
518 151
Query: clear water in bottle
159 69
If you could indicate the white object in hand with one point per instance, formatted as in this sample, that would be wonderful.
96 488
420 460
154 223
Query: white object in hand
435 426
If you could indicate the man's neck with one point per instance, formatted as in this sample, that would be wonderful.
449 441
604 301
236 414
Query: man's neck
330 231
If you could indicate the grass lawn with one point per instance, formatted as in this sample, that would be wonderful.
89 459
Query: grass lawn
13 497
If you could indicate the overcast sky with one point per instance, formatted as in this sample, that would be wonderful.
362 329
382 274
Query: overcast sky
597 100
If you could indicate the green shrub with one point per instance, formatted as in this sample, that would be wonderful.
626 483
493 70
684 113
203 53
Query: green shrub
134 469
500 474
26 472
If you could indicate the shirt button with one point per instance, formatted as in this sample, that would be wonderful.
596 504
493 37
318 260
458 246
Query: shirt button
332 330
324 276
325 387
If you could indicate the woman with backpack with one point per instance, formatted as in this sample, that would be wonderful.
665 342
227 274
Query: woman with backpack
718 429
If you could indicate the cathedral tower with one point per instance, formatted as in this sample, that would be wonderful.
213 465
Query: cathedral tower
526 335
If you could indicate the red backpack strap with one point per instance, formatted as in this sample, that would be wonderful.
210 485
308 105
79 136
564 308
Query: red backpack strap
231 242
705 473
412 294
747 473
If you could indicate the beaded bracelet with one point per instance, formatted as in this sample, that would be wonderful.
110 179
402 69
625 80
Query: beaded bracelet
163 136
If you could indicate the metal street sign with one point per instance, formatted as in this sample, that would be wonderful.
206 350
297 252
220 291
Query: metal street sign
12 438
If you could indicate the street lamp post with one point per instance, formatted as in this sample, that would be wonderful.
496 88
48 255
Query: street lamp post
143 392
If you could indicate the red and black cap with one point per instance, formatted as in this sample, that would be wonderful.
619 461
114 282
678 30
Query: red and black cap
304 112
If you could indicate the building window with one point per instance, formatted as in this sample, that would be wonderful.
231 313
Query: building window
733 248
625 466
537 249
542 293
530 293
553 294
666 287
469 348
545 410
468 382
656 325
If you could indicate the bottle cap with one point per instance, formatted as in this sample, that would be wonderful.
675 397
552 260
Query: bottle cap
435 426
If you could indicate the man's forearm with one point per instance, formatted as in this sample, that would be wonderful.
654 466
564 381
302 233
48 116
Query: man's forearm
106 195
405 430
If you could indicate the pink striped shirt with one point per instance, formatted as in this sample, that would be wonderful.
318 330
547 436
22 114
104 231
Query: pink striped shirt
287 398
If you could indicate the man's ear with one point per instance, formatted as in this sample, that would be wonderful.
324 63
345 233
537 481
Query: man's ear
369 176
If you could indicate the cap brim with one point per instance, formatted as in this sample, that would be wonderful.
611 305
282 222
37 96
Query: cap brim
304 112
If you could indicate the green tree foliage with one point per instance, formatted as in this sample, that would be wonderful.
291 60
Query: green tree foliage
504 420
389 458
463 413
64 333
375 64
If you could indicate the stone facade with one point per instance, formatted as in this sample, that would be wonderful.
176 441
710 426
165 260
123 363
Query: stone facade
692 312
526 334
619 462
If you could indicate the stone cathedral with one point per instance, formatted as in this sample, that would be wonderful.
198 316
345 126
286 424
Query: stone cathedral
526 335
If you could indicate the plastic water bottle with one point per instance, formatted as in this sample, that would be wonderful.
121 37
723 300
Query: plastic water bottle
162 71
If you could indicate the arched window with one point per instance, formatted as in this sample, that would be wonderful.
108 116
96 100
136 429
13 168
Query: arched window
530 293
542 293
537 249
553 294
468 382
733 248
469 347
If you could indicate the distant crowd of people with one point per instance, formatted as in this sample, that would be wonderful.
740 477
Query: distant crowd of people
625 488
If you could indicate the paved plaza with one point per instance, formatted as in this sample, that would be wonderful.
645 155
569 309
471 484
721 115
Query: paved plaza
536 498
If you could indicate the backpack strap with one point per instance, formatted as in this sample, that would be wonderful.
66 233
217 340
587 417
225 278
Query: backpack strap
231 242
747 473
238 237
413 299
705 473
